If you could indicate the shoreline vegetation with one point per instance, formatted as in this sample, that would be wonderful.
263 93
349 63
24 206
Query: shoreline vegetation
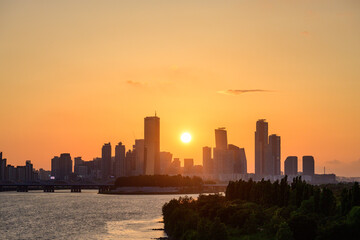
162 184
263 210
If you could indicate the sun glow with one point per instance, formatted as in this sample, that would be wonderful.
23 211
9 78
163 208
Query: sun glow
185 137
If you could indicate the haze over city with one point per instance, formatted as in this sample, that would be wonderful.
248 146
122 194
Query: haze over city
75 75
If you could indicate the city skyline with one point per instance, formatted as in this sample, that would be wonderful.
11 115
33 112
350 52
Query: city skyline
74 77
145 158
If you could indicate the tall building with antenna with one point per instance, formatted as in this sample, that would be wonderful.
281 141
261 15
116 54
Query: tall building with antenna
152 145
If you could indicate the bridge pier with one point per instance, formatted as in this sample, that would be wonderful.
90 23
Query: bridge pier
76 189
49 188
22 189
103 189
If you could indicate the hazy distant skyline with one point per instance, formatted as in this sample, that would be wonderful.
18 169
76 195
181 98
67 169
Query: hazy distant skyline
77 74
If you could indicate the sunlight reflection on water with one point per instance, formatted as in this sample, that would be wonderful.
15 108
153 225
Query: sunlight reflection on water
86 215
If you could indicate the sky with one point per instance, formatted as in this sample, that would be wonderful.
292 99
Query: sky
77 74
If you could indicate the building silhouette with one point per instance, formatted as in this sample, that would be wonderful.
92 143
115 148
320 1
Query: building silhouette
28 171
223 158
120 167
208 166
61 167
291 166
308 165
2 168
130 163
106 160
139 149
221 138
175 167
188 165
78 162
239 157
152 145
261 142
273 153
165 161
11 173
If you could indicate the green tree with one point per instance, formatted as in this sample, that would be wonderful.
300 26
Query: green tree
303 227
284 232
218 230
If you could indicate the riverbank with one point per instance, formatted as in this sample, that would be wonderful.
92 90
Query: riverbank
156 191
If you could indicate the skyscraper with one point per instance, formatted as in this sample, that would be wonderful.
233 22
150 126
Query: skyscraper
207 160
28 171
221 138
106 160
152 145
308 165
77 163
240 165
273 156
139 149
61 167
165 161
2 168
130 163
188 165
261 142
291 165
120 167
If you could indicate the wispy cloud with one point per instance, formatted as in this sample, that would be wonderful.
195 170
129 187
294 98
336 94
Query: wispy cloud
241 91
135 83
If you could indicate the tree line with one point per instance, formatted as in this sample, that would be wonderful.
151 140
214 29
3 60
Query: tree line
266 210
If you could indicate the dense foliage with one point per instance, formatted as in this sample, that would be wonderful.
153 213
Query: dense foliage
158 181
265 210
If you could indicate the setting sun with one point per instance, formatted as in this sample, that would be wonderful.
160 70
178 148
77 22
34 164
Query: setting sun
185 137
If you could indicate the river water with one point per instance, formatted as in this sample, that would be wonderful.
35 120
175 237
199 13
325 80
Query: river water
85 215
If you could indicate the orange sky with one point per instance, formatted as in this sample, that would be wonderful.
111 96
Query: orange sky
77 74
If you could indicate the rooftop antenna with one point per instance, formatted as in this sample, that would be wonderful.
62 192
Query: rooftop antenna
155 113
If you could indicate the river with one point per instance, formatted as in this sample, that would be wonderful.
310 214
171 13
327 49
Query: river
85 215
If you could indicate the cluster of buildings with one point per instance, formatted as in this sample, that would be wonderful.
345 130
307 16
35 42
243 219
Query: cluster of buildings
228 162
222 163
11 173
268 159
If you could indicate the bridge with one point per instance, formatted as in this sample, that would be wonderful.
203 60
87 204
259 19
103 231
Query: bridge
51 187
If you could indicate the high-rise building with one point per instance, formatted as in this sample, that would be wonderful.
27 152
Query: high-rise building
272 161
55 167
28 171
207 160
261 142
120 167
2 168
106 160
308 165
130 163
221 138
188 165
139 149
61 167
152 145
11 173
21 173
175 167
223 158
240 163
165 161
291 165
224 162
77 163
